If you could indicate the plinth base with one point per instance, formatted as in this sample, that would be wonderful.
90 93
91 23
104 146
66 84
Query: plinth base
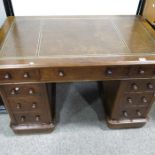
31 128
118 124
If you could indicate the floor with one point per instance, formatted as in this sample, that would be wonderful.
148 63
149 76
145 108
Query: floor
81 129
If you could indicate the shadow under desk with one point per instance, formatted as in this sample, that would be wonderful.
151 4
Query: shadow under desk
38 52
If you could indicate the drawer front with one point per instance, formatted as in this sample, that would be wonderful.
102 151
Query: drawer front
32 118
139 85
136 99
23 90
83 73
14 75
134 113
27 104
142 71
130 113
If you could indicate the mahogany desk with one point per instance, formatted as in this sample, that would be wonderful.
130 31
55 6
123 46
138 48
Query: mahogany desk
36 52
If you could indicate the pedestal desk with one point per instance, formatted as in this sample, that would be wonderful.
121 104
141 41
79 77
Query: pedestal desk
38 52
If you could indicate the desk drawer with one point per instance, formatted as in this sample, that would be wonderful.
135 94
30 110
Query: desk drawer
16 90
32 118
14 75
83 73
139 85
27 104
130 113
142 71
136 99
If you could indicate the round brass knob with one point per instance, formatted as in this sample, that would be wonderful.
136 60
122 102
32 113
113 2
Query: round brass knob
61 74
13 92
37 118
31 91
22 119
109 71
26 75
34 105
150 86
125 114
17 89
141 71
129 100
134 86
7 76
139 113
144 99
18 106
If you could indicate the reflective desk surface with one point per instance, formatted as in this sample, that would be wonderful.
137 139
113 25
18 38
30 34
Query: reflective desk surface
114 39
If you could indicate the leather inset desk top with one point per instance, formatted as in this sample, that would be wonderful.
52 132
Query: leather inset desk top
77 39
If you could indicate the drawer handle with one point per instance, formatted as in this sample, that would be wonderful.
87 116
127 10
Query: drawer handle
15 91
22 119
109 71
150 86
7 76
134 86
61 74
18 106
141 71
37 118
26 75
34 105
125 114
31 91
144 100
129 100
139 113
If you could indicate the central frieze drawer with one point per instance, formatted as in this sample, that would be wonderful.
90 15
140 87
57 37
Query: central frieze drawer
83 73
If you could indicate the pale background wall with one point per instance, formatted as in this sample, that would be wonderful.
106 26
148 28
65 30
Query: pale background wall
2 13
74 7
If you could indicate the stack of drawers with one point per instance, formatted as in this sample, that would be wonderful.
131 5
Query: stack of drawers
131 102
135 99
29 106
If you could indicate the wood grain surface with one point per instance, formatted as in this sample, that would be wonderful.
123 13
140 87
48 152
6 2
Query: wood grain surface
76 41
